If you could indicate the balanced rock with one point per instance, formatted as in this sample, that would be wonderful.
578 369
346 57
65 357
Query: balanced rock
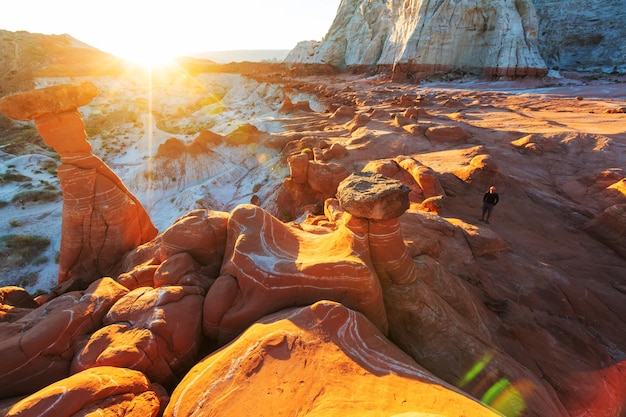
373 196
102 219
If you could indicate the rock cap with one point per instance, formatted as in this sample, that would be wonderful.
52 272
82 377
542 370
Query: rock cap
55 99
373 196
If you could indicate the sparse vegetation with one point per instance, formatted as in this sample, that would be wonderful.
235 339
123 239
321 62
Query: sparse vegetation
13 177
27 280
36 196
15 223
20 250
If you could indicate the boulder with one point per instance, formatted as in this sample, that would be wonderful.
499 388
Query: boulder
103 390
447 134
373 196
153 330
323 359
38 348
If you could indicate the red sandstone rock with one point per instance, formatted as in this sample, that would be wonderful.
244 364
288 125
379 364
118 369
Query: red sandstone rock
482 170
99 391
245 134
325 177
156 331
37 349
289 106
343 112
319 360
49 100
201 234
269 266
102 220
359 120
298 167
447 134
424 176
15 303
610 228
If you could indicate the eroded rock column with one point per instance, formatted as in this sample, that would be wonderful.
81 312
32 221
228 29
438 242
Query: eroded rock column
102 219
381 201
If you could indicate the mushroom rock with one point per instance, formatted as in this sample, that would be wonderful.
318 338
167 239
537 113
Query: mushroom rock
37 349
102 219
323 359
100 391
154 330
381 201
269 266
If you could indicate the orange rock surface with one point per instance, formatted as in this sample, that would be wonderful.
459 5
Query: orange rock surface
315 361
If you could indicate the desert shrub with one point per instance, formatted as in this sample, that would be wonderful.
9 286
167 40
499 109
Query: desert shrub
3 204
27 280
40 260
13 177
20 250
15 223
36 196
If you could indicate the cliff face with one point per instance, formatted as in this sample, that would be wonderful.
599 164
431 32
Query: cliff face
577 34
512 38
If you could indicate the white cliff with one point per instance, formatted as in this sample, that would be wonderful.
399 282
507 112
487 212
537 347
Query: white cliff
416 37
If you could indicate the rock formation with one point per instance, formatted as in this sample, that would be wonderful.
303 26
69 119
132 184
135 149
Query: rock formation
582 34
102 219
496 38
339 364
512 38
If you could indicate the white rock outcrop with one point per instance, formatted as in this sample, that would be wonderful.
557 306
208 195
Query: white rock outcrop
417 37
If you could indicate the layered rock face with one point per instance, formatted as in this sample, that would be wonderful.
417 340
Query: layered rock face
102 219
421 37
582 34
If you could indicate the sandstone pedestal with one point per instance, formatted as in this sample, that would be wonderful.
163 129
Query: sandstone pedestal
102 219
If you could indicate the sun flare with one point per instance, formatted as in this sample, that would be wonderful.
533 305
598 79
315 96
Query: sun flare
149 58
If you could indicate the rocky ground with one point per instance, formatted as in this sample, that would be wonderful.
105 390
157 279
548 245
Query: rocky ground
534 298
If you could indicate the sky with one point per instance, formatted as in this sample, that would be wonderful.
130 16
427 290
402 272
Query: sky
159 29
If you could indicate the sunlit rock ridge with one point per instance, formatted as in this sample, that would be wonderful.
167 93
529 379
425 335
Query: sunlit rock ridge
494 38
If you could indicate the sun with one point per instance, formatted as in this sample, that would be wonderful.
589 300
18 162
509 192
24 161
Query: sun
149 58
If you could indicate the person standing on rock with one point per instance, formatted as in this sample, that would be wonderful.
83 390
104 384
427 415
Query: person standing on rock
490 199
